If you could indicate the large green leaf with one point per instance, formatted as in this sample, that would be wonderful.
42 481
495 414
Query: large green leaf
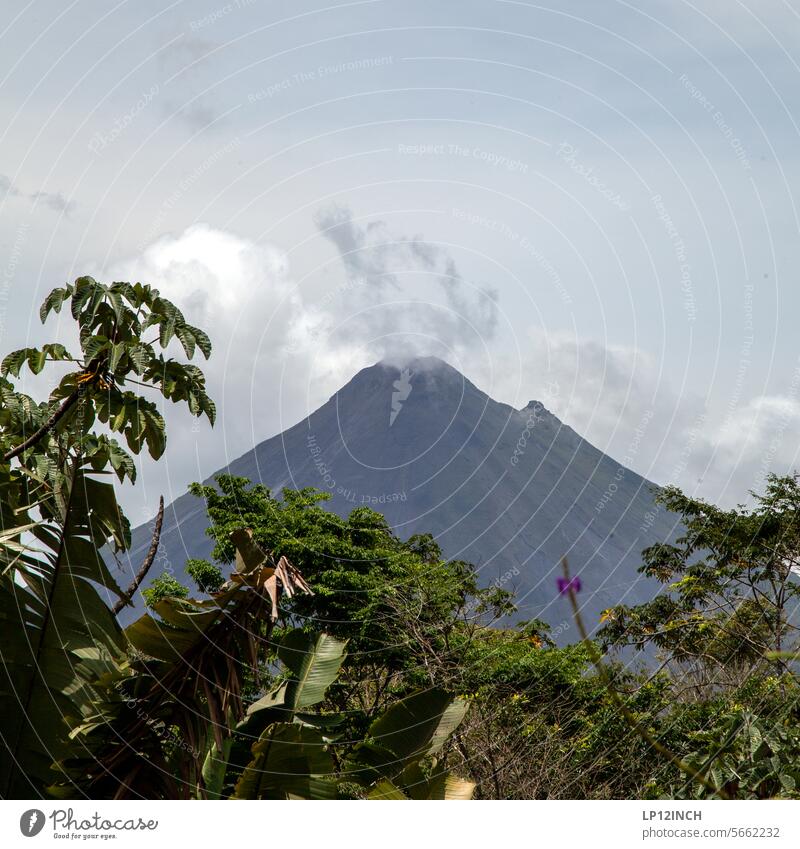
385 791
160 640
442 786
215 767
59 637
57 640
411 729
314 661
54 302
289 761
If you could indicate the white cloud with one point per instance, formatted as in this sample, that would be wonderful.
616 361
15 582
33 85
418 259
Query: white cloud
240 293
761 437
403 295
205 270
616 397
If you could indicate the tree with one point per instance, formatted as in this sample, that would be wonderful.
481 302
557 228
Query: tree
407 613
729 582
58 510
413 621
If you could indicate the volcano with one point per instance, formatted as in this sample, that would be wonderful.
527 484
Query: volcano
512 491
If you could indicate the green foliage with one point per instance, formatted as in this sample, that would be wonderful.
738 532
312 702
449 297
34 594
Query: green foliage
112 323
162 587
748 757
58 511
728 580
207 576
293 756
36 358
365 579
162 720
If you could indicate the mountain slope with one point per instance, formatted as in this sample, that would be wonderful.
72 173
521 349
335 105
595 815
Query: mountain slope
510 490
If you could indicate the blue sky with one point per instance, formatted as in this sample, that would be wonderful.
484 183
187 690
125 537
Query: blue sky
592 202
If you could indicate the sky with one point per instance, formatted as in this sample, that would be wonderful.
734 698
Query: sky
590 203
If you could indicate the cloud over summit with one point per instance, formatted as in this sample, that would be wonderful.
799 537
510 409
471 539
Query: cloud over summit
409 296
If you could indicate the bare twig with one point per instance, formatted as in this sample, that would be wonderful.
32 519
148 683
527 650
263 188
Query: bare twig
148 561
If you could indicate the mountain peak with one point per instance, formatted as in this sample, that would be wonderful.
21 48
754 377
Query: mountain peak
536 407
419 442
423 376
416 364
412 402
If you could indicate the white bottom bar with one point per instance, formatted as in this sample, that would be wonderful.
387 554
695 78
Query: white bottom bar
351 825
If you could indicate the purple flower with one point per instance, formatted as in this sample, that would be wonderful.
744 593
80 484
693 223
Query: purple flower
564 585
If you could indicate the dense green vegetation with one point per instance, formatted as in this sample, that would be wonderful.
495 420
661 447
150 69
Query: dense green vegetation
542 722
336 660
